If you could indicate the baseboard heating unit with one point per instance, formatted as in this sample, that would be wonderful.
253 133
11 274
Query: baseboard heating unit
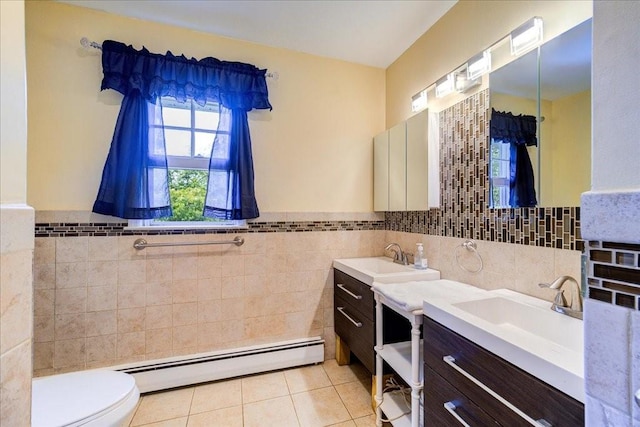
152 375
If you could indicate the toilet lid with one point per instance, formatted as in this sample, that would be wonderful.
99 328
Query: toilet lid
61 400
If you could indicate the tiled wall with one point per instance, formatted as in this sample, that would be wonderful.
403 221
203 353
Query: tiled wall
612 364
16 321
614 273
100 302
504 265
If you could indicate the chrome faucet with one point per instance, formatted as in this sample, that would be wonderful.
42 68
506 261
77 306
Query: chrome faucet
574 309
400 257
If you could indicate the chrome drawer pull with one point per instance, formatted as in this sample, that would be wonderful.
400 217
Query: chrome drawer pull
351 294
358 324
451 361
451 408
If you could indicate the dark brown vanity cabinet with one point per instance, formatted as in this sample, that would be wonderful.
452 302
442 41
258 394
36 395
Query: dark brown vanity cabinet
449 393
354 319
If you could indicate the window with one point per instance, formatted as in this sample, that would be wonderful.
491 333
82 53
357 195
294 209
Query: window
500 174
189 132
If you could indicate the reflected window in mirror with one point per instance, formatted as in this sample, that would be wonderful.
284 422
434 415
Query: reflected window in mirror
512 178
499 184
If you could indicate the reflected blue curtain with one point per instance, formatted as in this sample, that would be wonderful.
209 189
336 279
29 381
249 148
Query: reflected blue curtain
520 132
135 188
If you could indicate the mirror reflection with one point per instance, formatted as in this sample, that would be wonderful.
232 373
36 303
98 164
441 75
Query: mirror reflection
557 103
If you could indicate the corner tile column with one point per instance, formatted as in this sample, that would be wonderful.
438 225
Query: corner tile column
16 313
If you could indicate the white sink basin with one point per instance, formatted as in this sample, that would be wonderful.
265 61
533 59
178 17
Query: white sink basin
526 319
521 329
382 270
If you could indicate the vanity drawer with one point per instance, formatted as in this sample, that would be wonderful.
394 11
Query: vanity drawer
358 294
527 393
440 393
356 330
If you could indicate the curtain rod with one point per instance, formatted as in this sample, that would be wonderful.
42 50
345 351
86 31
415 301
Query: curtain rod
88 44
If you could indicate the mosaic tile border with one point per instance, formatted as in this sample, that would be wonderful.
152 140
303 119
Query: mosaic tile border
464 193
118 229
546 227
613 273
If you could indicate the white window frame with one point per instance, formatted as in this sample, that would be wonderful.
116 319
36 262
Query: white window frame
503 180
185 162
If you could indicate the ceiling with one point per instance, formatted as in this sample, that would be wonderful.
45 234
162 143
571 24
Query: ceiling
370 32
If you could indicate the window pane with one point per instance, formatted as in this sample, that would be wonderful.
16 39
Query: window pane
207 120
178 142
204 141
176 117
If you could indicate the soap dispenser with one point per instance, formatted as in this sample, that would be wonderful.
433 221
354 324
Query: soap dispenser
419 260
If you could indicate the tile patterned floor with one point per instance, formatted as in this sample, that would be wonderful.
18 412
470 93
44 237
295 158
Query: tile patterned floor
311 396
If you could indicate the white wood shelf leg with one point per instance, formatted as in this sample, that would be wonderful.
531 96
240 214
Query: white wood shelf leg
416 385
379 362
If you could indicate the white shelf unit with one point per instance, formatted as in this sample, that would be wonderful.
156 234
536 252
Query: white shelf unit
394 407
405 358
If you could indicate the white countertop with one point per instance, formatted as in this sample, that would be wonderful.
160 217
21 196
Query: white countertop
521 329
383 270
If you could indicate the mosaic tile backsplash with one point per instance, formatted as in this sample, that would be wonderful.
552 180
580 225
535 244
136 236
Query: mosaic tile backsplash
614 273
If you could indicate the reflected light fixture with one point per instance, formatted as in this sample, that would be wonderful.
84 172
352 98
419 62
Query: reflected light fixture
462 81
419 101
445 85
479 65
526 36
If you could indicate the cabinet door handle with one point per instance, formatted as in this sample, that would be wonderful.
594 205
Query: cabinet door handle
451 408
351 294
356 323
451 361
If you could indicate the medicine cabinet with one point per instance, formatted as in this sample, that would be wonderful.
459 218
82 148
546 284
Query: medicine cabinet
401 166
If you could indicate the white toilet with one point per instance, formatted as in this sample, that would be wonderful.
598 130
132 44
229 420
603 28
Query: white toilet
86 398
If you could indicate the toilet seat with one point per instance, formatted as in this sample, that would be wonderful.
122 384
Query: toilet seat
85 398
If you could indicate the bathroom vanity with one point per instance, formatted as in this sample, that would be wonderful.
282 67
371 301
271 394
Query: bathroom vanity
465 382
487 357
354 310
501 357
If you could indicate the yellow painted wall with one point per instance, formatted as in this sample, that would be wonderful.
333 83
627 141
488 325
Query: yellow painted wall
468 28
569 149
312 153
13 127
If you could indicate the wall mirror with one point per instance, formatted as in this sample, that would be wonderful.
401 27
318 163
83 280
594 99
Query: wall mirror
546 92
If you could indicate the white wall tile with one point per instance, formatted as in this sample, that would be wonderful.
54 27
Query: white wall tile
599 414
607 364
634 345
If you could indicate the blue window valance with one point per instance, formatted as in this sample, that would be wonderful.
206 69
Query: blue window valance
515 129
234 85
135 177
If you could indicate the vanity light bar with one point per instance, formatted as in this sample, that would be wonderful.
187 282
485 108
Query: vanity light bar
523 38
526 36
445 85
461 80
419 101
479 65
